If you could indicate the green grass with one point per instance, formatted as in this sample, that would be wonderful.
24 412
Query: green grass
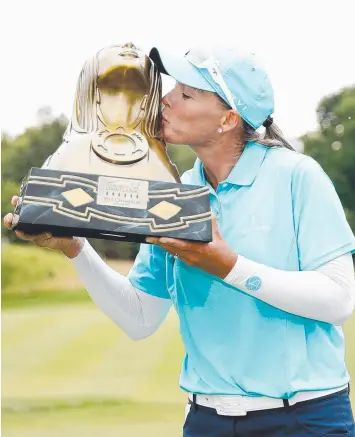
34 264
126 419
67 370
49 277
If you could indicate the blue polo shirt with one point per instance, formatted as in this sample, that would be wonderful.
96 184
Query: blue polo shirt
278 208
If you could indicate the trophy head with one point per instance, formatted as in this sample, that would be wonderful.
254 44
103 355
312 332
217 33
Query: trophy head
118 90
116 119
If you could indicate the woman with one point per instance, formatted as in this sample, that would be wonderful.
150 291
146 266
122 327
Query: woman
260 307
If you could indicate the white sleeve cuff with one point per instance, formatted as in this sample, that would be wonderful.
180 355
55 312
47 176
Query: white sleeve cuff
326 294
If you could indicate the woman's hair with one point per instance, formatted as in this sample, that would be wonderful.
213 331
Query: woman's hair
273 136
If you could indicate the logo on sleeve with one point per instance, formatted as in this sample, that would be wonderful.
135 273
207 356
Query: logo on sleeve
254 283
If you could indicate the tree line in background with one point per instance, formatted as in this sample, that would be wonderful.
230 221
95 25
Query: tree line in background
332 145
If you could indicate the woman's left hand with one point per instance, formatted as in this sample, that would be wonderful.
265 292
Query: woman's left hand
215 257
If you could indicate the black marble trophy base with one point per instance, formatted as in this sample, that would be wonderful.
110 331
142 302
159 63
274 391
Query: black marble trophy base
79 204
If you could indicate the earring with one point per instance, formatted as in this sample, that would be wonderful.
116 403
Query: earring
219 130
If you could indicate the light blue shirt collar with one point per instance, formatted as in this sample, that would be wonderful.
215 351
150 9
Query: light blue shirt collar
245 170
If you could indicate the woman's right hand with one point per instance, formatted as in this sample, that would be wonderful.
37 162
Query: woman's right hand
70 246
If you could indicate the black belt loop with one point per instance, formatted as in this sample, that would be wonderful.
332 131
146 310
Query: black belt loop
286 403
349 388
194 403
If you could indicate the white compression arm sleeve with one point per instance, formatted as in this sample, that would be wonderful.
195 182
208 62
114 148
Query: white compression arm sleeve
138 314
326 294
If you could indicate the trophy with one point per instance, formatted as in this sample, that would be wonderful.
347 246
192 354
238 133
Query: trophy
111 177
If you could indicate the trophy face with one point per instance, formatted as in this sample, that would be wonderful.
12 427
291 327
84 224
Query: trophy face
123 90
116 120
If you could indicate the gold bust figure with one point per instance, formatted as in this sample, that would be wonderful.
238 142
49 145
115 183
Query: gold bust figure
115 124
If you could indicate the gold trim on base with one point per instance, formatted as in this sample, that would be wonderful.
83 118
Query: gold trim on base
57 206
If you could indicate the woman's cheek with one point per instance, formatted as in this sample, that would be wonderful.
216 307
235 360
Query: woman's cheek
167 134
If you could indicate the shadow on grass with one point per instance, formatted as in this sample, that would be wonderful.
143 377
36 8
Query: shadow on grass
44 297
43 405
116 410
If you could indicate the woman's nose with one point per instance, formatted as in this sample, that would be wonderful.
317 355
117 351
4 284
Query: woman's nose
166 100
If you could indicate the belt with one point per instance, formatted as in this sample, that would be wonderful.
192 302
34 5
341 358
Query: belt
241 405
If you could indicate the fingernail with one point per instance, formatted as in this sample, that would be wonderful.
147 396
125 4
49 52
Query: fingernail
149 240
163 240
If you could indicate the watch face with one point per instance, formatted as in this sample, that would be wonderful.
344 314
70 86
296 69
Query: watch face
121 148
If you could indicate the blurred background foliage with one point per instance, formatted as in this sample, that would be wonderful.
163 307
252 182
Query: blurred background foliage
333 145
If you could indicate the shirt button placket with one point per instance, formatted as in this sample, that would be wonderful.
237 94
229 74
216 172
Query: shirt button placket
219 203
214 205
218 210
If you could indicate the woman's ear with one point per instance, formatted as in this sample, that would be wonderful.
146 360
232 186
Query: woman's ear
231 120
